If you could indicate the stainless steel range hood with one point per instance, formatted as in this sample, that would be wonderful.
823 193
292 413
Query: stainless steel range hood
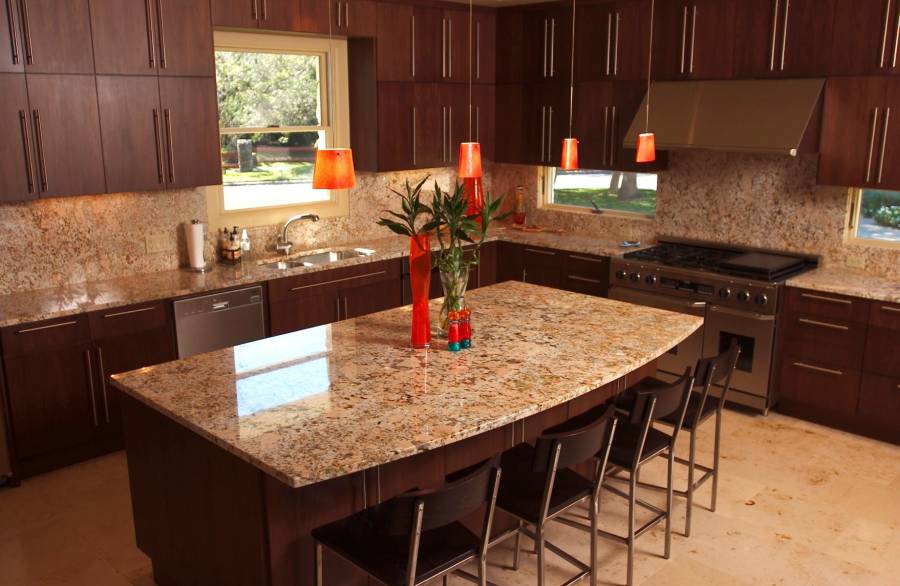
779 116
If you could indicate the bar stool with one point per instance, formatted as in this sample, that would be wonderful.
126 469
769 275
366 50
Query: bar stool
417 536
638 442
539 486
702 405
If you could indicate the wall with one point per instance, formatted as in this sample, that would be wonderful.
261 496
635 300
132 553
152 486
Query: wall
766 201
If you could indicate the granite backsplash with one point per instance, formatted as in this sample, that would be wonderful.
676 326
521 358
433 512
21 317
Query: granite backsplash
755 200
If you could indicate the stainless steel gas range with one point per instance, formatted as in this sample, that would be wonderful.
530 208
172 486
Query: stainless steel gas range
736 290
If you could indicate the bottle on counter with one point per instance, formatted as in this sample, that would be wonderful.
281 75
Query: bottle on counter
519 215
453 338
465 328
245 241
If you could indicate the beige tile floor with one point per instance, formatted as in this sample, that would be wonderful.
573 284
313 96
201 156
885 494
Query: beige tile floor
798 504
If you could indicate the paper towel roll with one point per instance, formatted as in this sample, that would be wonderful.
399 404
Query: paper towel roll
195 234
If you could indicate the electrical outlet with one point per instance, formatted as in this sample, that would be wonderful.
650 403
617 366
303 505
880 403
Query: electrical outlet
157 243
855 262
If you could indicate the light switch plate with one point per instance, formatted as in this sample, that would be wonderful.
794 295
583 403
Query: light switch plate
855 262
157 243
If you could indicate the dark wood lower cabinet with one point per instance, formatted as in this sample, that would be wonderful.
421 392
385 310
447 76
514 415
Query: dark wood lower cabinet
879 406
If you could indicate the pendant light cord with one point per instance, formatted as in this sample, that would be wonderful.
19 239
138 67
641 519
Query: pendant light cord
572 73
331 74
649 68
471 18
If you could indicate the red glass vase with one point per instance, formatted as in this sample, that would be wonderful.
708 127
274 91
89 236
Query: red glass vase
420 282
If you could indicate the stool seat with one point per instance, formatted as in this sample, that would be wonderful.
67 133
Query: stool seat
690 417
357 539
522 489
625 444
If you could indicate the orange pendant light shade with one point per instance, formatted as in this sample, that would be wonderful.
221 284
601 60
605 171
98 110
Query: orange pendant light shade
469 160
569 154
334 169
646 147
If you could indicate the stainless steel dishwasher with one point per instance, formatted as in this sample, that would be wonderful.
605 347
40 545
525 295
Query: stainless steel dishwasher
220 320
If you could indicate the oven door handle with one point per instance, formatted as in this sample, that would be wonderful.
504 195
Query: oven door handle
739 313
657 300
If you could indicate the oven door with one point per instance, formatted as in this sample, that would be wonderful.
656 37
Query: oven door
755 333
685 354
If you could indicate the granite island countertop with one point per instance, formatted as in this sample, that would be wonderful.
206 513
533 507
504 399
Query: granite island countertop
329 401
57 302
852 282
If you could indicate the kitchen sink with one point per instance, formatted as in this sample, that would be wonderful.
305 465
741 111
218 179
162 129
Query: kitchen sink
319 258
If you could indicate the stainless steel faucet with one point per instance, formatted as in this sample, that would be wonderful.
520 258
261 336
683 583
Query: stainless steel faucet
284 246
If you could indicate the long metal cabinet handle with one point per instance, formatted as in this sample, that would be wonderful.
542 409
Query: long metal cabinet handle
822 324
337 308
156 136
546 36
42 162
414 135
168 116
693 36
163 62
444 48
339 15
254 9
26 150
63 324
552 47
538 251
884 32
90 367
605 133
543 131
549 133
265 9
777 6
449 48
346 14
26 32
584 279
586 258
884 137
13 35
616 47
478 50
129 312
827 299
896 40
151 48
784 31
613 132
346 308
341 280
609 33
872 129
412 52
449 133
683 35
478 123
444 133
103 383
891 309
818 369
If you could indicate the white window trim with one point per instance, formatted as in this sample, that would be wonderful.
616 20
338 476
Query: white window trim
338 132
545 201
854 204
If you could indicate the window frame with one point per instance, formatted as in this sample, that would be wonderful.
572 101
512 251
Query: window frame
335 125
854 200
545 200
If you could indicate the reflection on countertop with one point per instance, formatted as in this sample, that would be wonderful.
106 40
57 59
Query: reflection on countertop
852 282
328 401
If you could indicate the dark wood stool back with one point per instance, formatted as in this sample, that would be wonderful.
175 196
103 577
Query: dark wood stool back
576 445
715 370
666 401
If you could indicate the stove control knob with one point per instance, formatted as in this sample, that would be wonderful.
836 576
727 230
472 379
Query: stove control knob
650 280
724 292
762 299
621 275
635 277
744 296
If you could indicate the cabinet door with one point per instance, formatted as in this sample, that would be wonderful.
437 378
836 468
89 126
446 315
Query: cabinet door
313 16
865 38
848 148
483 119
509 130
547 115
66 126
191 131
695 40
510 55
632 40
427 48
549 34
394 42
372 298
124 36
396 123
185 38
313 309
285 15
12 52
542 266
235 13
594 41
17 171
879 407
484 56
50 385
456 46
786 38
593 106
430 106
358 18
57 36
131 123
886 159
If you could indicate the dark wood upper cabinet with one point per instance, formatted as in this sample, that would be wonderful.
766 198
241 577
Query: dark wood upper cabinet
281 15
314 16
484 102
190 131
428 49
546 123
235 13
430 119
292 15
510 53
56 36
547 36
484 56
131 121
394 46
12 52
508 127
455 31
185 38
783 38
887 174
66 134
612 40
865 40
693 39
358 18
17 167
395 126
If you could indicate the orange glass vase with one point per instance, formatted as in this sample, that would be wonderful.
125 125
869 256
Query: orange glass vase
420 282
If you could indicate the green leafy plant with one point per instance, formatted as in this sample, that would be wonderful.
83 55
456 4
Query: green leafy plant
888 216
449 211
408 223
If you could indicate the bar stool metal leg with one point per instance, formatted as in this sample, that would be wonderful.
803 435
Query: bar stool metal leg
320 577
594 515
668 550
715 475
632 495
518 548
692 459
539 546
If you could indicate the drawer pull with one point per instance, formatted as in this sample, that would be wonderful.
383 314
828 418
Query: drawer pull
818 369
129 312
544 252
49 327
585 279
822 324
586 258
343 280
892 309
828 299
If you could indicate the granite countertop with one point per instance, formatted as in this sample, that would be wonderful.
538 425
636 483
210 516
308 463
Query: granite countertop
321 403
31 306
844 281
